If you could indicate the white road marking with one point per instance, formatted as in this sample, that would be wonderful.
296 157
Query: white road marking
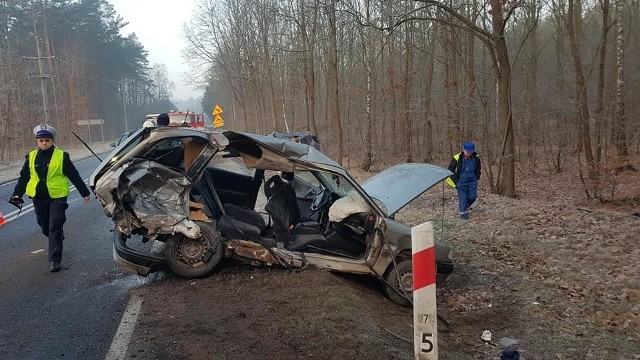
37 251
121 339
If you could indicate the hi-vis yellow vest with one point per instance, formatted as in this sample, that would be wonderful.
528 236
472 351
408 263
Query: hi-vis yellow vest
449 181
57 182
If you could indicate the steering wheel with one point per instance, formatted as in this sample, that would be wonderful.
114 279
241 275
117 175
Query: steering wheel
321 199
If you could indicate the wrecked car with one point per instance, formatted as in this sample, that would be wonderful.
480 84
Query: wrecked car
208 196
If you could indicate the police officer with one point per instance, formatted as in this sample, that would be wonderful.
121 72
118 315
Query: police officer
45 178
466 168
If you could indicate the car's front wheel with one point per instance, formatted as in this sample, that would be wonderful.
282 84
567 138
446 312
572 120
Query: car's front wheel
399 283
191 258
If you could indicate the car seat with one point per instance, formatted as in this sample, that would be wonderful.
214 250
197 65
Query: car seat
245 224
290 229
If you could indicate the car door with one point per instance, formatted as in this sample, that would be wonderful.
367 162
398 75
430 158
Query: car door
234 182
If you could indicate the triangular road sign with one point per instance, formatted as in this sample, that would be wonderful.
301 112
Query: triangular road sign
217 110
218 121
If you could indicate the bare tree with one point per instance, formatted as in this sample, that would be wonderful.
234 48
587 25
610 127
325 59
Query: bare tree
500 12
332 78
599 111
620 126
574 29
160 76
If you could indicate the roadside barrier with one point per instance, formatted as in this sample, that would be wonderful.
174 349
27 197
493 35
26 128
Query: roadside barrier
425 316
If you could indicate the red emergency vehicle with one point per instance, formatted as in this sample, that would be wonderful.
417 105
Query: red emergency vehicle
182 118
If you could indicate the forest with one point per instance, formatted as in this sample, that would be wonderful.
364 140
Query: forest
63 61
539 85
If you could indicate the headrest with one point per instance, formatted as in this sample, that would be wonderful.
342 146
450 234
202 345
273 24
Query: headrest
273 185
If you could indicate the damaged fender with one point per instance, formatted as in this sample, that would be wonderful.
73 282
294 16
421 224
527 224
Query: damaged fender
157 199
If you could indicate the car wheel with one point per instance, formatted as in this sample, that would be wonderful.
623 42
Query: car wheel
191 258
399 281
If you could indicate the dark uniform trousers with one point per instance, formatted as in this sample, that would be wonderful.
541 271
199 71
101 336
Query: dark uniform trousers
50 214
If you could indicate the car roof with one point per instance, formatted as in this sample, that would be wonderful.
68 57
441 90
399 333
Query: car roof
291 150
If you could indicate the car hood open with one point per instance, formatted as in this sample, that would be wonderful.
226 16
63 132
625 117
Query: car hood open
398 185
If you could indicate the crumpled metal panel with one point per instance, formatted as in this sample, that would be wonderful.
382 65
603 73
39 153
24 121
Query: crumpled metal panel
287 148
143 193
252 250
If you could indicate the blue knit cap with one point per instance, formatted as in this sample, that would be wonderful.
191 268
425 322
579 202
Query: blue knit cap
469 146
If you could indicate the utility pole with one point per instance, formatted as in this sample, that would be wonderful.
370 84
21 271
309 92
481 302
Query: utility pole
124 103
41 74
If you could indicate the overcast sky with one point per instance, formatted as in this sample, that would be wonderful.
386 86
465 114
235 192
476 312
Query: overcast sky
158 25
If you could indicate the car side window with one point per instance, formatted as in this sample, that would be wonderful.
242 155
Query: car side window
168 152
307 177
232 164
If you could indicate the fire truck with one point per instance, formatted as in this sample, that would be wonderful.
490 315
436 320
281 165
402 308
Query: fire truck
179 118
186 118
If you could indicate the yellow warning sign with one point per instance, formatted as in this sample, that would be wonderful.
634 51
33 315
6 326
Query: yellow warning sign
217 110
218 121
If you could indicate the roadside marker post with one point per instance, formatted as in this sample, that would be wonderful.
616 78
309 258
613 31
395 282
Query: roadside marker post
425 317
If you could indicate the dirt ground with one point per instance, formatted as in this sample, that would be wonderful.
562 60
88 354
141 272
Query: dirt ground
548 274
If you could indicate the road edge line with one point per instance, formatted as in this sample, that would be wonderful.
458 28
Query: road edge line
121 339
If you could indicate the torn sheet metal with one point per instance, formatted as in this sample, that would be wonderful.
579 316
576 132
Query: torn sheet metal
252 250
146 194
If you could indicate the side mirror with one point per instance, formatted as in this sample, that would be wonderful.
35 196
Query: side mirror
112 144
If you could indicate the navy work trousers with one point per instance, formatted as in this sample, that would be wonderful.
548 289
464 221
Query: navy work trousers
50 214
467 194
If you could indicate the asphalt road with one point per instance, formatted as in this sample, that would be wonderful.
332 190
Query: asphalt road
74 313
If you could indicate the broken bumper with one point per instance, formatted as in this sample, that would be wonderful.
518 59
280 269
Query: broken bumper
132 260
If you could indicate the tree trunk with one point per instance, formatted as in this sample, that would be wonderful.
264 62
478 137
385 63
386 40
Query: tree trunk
308 56
506 183
620 127
599 112
406 132
368 60
426 100
333 83
471 79
584 132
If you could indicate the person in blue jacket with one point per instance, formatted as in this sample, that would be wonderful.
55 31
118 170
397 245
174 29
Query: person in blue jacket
466 169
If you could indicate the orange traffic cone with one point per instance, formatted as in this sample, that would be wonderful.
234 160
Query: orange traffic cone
2 220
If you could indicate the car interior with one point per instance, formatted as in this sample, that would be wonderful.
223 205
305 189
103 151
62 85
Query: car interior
290 226
296 212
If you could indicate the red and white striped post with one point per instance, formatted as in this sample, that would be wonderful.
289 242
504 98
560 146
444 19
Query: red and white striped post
425 323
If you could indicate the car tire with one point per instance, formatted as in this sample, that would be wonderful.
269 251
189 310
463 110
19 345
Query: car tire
191 258
402 273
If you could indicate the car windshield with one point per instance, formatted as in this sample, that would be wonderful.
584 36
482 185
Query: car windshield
117 153
337 183
124 136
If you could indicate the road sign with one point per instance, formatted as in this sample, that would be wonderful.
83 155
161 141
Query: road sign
90 122
217 110
218 121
